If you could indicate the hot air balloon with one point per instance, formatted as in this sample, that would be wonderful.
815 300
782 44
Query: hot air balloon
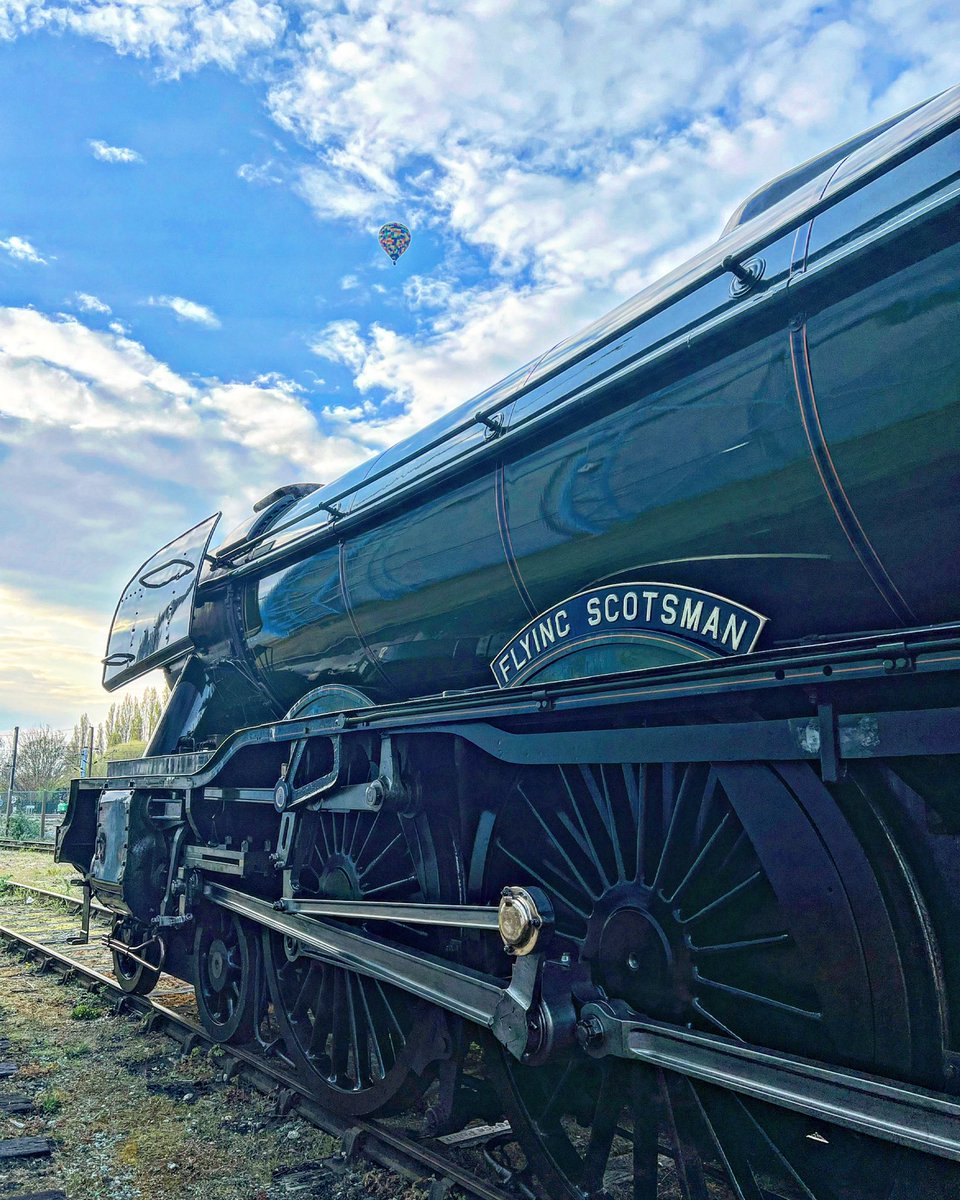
394 238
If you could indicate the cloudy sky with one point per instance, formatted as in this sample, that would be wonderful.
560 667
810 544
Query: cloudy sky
193 305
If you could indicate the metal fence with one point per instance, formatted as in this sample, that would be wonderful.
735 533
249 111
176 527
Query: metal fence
33 816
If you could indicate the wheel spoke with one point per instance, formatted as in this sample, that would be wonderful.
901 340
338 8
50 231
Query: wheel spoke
359 856
682 819
372 866
595 859
340 1044
721 900
754 943
643 1103
695 867
535 876
372 1034
404 886
554 841
681 1118
635 780
757 998
357 1037
609 1106
729 1145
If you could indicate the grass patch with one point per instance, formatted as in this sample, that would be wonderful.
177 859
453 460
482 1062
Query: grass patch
84 1011
50 1101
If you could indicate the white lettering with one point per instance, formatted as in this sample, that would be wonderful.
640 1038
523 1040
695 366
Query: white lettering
732 633
516 662
610 610
504 665
690 617
668 608
711 626
525 643
631 605
650 597
594 616
547 636
563 630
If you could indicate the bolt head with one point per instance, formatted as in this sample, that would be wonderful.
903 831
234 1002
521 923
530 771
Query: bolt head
590 1033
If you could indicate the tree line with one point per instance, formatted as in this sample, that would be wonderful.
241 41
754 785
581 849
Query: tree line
49 758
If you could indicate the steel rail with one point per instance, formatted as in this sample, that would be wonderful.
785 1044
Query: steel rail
17 844
369 1138
73 902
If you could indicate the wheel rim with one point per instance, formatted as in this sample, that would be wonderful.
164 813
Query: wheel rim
735 899
227 959
360 1045
133 976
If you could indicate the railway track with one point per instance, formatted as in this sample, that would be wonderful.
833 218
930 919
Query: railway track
32 923
18 844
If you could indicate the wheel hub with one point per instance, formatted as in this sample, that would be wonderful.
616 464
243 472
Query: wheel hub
218 963
636 951
340 880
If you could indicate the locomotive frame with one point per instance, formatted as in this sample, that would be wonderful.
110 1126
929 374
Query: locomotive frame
800 722
699 911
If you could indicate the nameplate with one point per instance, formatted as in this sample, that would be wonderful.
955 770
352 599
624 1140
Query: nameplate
625 611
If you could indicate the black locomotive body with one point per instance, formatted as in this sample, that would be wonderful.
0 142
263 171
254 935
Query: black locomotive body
613 721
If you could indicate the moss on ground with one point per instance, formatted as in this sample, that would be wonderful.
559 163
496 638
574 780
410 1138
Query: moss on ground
37 868
133 1120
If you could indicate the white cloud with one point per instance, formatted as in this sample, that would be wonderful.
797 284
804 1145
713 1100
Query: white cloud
113 154
91 304
21 250
337 195
138 454
579 167
188 310
349 282
180 35
50 663
263 174
562 154
340 342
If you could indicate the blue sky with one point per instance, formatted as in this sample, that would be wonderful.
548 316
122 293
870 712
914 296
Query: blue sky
193 305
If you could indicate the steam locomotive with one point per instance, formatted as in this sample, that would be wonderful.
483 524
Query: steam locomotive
610 725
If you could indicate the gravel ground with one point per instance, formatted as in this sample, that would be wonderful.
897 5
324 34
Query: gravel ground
132 1120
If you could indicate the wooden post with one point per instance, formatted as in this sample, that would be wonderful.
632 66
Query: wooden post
13 771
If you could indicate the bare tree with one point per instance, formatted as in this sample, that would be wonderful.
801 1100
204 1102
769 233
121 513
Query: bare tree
42 758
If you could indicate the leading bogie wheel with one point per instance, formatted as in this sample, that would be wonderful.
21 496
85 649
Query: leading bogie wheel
738 900
137 975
